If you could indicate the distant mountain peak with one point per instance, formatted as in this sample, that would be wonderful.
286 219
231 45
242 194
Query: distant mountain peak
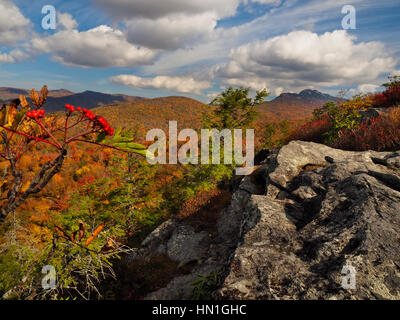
307 94
316 94
310 92
296 105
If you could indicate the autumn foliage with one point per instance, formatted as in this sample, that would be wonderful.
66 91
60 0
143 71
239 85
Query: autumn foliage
379 134
342 125
389 98
34 148
312 131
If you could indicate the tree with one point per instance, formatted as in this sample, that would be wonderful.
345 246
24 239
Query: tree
22 127
275 134
234 109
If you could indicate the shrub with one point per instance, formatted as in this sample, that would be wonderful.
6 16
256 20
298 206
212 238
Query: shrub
204 286
313 131
331 120
379 134
389 98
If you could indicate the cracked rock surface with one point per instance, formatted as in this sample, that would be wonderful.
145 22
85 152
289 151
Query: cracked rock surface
292 226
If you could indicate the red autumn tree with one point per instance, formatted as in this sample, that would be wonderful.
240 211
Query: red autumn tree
23 126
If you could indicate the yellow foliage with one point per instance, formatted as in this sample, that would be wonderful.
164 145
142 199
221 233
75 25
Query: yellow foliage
2 183
82 170
25 186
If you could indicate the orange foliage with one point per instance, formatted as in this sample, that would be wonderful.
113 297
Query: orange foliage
94 234
147 114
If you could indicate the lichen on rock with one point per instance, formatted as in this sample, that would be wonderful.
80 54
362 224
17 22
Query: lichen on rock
306 213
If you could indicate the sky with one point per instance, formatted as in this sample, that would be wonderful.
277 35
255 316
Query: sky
197 48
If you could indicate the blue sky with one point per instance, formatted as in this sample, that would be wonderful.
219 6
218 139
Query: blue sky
197 48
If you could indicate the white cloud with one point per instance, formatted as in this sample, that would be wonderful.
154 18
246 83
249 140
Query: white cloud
291 15
177 84
66 21
13 25
274 2
303 59
255 84
169 24
172 24
171 32
212 95
99 47
13 56
154 9
278 91
368 88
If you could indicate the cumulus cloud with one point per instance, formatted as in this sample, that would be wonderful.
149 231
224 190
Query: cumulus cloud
368 88
256 84
171 32
13 56
66 21
99 47
303 59
212 95
274 2
13 25
154 9
176 84
169 24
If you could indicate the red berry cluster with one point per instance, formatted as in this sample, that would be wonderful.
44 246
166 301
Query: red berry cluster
105 126
36 114
89 114
97 121
70 108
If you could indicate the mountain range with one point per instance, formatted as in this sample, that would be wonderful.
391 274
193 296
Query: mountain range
57 99
288 106
7 93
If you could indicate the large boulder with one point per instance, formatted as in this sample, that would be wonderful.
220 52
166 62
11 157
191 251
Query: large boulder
295 228
339 211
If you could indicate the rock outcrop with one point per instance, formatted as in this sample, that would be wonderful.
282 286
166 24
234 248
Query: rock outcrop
295 227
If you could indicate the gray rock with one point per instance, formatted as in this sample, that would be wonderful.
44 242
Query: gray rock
345 213
186 246
304 192
315 211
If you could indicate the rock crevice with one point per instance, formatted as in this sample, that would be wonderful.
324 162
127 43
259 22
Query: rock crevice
305 213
